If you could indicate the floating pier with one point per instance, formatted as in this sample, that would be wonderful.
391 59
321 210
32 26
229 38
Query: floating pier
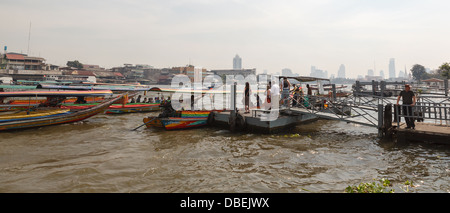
373 109
256 122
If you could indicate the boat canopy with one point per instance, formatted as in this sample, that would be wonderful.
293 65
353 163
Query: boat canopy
18 87
86 87
41 93
305 78
186 90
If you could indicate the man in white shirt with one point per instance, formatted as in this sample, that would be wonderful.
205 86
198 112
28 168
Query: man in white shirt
275 95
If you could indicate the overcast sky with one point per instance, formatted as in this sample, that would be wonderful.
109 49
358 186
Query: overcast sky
268 35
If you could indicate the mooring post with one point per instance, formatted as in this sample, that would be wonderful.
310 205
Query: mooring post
357 88
382 88
387 121
233 111
374 87
380 120
446 87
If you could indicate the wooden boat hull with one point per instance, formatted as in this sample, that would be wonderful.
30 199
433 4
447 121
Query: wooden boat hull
118 108
69 100
15 107
183 123
58 119
188 119
23 115
131 108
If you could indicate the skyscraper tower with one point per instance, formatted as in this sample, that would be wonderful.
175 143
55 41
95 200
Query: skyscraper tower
341 71
392 68
237 62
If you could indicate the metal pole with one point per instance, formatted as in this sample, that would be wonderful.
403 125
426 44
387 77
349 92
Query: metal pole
333 88
233 98
380 120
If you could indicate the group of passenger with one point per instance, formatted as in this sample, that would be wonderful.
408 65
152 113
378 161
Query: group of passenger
281 92
145 100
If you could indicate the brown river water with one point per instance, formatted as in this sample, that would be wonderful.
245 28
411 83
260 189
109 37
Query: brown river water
102 154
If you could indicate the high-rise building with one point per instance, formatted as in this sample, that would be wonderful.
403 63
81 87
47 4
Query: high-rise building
341 71
370 72
318 73
382 74
392 68
237 62
287 72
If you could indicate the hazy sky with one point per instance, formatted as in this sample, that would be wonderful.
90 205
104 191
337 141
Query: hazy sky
268 35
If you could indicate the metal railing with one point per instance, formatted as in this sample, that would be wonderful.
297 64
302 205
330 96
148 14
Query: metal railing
423 112
338 109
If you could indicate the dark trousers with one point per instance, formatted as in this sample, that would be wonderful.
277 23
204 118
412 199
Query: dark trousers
407 111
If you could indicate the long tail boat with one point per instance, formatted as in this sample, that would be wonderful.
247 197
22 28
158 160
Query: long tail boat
170 119
45 119
183 120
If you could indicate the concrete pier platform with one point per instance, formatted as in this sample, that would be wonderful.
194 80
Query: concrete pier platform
255 122
423 132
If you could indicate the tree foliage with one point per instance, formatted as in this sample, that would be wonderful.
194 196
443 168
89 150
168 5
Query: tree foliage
419 73
75 64
444 69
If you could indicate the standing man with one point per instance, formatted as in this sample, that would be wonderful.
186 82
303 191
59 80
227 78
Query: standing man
286 86
409 100
275 95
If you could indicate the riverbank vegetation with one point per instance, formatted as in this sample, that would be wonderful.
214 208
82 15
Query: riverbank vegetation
379 186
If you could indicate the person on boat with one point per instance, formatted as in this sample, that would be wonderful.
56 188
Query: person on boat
150 100
268 99
192 102
409 100
2 98
80 100
133 100
247 97
286 86
307 99
138 100
145 100
168 110
309 89
52 102
297 91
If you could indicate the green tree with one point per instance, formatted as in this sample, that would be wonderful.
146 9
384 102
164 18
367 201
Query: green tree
419 73
75 64
444 69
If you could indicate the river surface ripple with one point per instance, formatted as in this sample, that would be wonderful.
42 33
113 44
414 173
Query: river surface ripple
102 154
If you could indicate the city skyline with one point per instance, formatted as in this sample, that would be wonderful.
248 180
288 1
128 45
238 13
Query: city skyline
269 35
